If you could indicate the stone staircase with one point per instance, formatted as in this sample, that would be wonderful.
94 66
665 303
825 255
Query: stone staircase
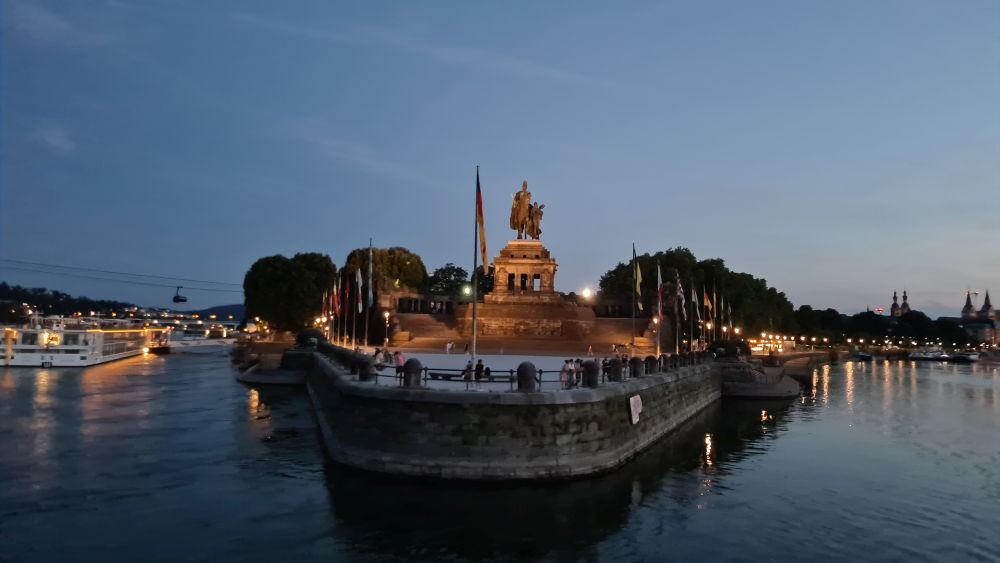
441 327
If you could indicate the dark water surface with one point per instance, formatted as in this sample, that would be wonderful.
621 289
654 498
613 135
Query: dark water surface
168 458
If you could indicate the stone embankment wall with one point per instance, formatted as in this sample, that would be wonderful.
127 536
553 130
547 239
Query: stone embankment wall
494 436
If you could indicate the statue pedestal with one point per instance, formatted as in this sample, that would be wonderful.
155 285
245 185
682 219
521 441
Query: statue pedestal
524 301
524 272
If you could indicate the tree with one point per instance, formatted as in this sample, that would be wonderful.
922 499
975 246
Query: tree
447 280
754 305
288 292
395 267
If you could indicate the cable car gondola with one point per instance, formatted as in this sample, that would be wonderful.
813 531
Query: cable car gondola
178 298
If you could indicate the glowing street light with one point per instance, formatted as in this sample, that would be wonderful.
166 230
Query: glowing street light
587 293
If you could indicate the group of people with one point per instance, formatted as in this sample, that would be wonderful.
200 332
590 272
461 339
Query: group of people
571 374
479 372
385 358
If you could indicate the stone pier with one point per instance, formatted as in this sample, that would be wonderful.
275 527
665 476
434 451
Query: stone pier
501 436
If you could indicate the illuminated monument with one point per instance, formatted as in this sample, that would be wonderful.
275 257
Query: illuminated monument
524 301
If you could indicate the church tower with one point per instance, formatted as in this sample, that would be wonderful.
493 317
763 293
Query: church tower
905 307
987 313
894 310
968 312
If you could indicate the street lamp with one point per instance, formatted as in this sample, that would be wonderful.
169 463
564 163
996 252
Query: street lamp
386 316
587 293
736 331
656 327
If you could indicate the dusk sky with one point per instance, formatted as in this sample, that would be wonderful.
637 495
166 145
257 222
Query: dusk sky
840 150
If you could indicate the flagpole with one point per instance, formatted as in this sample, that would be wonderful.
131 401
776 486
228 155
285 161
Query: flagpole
475 264
354 317
691 333
368 310
635 268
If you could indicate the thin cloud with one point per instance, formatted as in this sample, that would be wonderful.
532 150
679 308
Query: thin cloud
313 132
55 138
32 20
369 35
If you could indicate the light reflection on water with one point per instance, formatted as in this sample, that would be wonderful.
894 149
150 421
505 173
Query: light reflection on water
890 460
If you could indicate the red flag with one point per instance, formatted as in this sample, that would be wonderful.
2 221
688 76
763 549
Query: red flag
479 221
323 307
334 305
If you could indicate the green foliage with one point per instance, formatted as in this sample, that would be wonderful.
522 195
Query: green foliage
755 306
288 292
395 267
447 280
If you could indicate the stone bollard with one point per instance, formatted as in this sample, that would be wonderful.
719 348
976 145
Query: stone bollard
615 369
591 374
526 374
366 368
635 367
411 373
651 366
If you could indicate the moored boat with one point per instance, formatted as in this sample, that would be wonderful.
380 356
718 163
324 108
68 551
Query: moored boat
77 342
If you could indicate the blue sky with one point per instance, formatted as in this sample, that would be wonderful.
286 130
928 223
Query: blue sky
838 149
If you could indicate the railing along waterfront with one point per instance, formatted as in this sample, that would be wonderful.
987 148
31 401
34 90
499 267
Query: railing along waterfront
601 371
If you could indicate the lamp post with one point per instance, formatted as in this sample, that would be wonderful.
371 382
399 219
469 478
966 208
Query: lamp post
656 330
708 326
386 316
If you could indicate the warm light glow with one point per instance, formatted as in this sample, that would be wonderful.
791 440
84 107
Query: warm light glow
656 320
708 450
736 330
145 350
467 290
586 293
386 315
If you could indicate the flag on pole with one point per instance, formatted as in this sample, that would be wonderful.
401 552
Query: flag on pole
323 307
638 278
715 300
729 313
359 282
481 224
334 298
722 310
694 301
680 294
659 291
707 303
344 289
371 298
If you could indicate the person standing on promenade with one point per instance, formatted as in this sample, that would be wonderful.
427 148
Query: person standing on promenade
467 375
479 372
565 375
399 360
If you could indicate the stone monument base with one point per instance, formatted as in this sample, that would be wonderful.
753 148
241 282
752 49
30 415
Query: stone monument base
563 319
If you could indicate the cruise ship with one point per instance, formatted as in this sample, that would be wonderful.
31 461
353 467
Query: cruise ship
77 342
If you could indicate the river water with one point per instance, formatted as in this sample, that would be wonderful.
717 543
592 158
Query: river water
168 458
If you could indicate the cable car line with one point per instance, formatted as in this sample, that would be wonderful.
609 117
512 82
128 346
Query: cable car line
113 280
25 262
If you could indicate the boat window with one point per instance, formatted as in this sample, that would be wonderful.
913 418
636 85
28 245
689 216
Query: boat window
30 338
71 339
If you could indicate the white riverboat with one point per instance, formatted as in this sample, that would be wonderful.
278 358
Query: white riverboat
77 342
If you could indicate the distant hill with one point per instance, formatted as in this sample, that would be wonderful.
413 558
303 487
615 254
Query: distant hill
237 310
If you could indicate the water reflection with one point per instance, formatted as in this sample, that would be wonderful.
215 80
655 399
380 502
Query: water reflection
541 520
173 448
